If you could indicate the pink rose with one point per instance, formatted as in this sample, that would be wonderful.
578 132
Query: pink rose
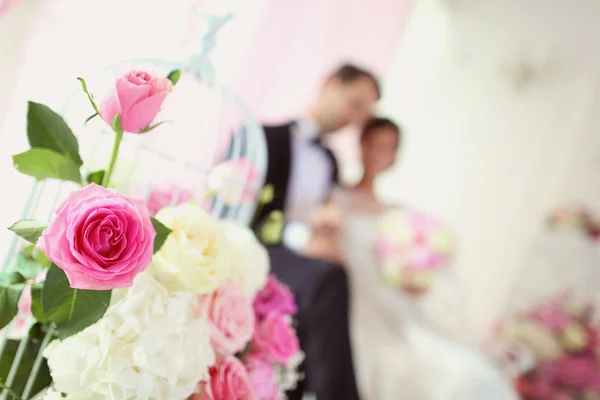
229 380
162 196
137 96
275 340
274 297
100 238
231 318
262 377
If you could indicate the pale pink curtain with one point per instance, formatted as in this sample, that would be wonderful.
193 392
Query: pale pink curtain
295 43
6 5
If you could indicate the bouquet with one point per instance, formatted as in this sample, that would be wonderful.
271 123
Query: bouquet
576 218
551 350
412 248
123 299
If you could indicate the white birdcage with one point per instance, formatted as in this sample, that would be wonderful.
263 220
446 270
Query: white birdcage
208 126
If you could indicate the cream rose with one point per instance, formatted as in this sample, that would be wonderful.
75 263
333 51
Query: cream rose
197 256
250 265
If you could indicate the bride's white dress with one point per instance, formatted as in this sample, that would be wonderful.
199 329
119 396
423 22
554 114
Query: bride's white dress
405 348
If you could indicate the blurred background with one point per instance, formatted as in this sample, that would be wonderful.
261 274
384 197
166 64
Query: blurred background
498 99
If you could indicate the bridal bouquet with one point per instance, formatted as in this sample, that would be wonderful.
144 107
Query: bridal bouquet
576 218
552 350
412 248
125 305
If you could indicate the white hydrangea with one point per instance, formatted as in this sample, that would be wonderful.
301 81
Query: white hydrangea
250 264
52 394
148 345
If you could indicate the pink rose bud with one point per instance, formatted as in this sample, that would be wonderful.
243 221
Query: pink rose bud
137 96
275 340
229 380
274 297
262 377
231 318
100 238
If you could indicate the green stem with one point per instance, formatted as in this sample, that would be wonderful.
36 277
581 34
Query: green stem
113 158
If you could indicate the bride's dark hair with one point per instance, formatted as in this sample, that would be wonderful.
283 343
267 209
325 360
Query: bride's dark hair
375 123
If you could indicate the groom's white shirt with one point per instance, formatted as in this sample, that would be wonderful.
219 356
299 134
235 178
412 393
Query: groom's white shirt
310 180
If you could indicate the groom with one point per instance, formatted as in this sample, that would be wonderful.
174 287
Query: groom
302 172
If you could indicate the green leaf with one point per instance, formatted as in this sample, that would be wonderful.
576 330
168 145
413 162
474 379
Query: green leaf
29 229
174 76
91 117
28 267
95 177
148 129
36 303
8 354
116 123
90 98
162 232
45 163
71 310
32 252
46 129
11 287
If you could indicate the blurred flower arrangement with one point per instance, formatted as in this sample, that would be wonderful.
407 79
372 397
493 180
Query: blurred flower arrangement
552 350
127 299
413 248
576 218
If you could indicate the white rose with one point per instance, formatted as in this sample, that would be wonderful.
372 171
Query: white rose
250 266
196 255
149 345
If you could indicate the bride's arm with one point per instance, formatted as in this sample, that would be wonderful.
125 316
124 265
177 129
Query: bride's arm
326 223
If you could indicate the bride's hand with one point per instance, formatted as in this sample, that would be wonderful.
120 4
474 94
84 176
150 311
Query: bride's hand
326 218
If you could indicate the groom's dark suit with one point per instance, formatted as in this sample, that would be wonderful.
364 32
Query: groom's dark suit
321 289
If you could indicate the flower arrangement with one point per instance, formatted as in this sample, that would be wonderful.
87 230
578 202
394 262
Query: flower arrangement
412 248
576 218
553 350
127 299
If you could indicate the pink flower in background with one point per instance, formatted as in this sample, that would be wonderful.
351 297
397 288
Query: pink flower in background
274 297
262 377
551 315
231 318
100 238
578 372
235 181
163 196
274 339
229 380
137 96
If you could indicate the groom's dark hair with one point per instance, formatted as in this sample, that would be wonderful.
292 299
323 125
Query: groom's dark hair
376 123
348 73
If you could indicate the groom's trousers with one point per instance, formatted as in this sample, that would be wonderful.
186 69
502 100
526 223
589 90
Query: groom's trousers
322 295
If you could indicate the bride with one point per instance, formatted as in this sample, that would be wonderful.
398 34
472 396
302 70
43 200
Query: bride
404 346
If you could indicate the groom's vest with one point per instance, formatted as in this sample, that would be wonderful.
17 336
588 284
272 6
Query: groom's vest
279 153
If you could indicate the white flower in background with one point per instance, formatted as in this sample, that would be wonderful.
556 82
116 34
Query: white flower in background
235 181
148 345
250 266
287 376
196 255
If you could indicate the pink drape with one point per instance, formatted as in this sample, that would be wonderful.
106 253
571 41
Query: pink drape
6 5
295 43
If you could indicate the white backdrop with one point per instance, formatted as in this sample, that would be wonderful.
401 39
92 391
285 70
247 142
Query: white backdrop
488 155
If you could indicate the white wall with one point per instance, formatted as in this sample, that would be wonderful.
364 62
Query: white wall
489 158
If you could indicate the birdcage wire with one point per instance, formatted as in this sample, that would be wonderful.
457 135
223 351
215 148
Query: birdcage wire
224 117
